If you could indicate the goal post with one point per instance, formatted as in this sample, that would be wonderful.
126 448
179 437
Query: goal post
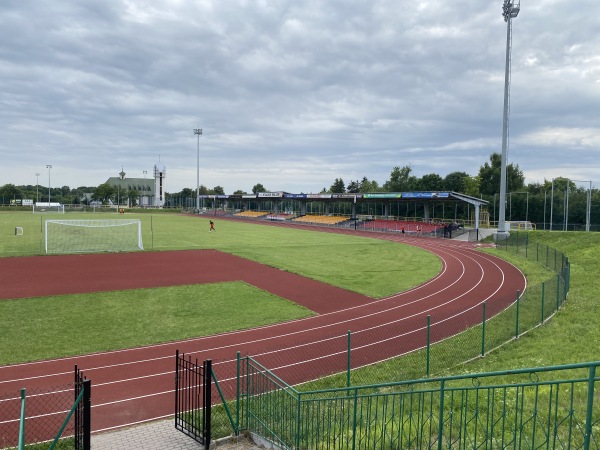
93 236
45 207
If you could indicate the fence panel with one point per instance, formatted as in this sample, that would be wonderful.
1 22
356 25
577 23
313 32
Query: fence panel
550 407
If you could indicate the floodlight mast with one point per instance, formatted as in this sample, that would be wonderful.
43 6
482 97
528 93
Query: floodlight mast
510 10
198 132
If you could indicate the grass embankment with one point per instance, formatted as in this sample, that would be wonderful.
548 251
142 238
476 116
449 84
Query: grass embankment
51 327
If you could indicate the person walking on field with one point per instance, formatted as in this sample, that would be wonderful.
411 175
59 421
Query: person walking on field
212 226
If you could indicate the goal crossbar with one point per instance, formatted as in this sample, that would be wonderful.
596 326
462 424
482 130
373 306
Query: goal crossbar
93 236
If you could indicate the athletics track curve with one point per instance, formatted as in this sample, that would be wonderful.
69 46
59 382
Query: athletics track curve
136 385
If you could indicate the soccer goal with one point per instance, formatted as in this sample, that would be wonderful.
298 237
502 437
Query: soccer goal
45 207
93 236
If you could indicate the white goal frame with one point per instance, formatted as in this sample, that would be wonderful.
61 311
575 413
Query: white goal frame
40 207
93 236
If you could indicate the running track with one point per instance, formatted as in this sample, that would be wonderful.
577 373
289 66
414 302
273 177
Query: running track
136 385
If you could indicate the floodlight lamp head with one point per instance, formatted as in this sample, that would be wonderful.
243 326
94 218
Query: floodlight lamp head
198 131
510 9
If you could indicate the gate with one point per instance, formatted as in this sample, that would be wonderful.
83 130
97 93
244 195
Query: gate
193 398
82 414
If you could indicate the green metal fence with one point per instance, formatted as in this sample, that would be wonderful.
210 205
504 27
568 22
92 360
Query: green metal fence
256 383
550 408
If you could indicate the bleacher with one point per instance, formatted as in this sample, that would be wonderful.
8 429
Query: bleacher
322 220
280 217
251 214
410 227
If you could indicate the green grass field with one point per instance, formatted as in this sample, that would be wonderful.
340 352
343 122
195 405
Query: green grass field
40 327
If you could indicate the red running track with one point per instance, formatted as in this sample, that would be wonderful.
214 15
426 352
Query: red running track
137 385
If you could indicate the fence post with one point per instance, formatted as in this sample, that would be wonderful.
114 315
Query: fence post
590 404
87 414
354 420
207 375
543 291
517 318
441 415
237 394
557 291
22 422
483 330
428 345
348 362
176 386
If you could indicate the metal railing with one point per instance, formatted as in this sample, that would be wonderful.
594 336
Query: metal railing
545 407
469 341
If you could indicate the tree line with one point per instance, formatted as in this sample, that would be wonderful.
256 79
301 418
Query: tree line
536 202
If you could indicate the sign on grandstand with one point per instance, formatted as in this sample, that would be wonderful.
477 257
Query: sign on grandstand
93 236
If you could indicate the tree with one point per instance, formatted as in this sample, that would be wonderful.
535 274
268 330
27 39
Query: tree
367 185
187 193
400 180
431 182
104 192
489 176
239 192
133 195
456 182
218 190
353 187
338 186
9 192
258 188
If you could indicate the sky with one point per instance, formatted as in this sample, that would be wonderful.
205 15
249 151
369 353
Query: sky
293 94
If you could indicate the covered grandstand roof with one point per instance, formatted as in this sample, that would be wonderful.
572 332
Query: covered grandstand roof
446 196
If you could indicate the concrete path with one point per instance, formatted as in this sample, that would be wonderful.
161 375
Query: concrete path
159 435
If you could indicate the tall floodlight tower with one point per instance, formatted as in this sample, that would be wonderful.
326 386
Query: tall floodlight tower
510 10
48 166
198 132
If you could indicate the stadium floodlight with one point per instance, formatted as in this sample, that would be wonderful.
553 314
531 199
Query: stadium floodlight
510 10
48 166
198 132
37 187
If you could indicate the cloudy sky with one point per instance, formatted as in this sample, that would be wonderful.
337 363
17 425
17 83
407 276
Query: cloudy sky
293 94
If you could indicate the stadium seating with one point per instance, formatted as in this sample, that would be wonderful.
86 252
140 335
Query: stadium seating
324 220
251 214
397 225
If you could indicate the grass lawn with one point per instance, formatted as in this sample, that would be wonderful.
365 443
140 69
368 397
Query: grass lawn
122 319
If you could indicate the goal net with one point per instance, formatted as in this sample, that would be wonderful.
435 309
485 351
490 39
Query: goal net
93 236
45 207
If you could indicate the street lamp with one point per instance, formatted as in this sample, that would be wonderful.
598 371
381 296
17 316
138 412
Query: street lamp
48 166
37 187
198 132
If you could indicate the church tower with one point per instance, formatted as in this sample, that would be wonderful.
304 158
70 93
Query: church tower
160 173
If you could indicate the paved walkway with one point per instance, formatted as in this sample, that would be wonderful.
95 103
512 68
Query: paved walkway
159 435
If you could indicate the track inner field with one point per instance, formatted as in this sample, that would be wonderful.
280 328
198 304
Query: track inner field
136 385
